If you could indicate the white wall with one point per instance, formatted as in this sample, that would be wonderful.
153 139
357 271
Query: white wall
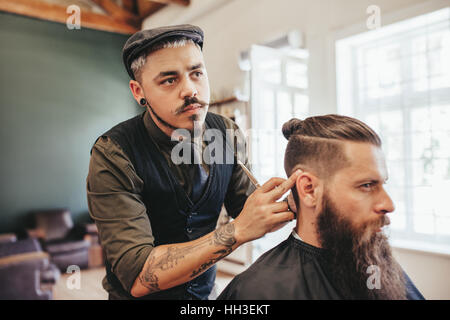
232 26
430 272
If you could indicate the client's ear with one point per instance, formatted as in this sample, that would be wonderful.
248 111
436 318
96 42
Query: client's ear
308 189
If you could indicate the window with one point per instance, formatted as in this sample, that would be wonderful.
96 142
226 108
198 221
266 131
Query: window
279 92
397 80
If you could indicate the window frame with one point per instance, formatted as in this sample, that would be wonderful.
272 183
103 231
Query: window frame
348 103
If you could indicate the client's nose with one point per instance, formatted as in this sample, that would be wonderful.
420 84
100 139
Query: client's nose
385 204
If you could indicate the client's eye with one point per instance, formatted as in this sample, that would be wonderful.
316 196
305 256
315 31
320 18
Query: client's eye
367 186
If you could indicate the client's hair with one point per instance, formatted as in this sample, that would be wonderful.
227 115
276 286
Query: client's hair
316 143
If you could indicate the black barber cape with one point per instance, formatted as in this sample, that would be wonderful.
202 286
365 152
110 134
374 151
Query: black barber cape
293 270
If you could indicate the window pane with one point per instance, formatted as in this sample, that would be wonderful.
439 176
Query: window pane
270 70
422 172
390 69
301 107
393 146
430 62
420 72
420 120
373 121
443 225
284 109
266 160
421 146
442 148
396 173
440 117
296 74
391 122
266 110
424 224
440 199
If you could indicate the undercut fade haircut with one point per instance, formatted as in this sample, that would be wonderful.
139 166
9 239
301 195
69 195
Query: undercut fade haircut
175 42
316 143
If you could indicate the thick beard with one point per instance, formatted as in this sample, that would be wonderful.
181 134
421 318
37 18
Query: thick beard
349 253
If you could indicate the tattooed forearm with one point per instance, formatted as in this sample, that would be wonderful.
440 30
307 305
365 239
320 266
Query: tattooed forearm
148 278
224 236
168 260
169 257
205 266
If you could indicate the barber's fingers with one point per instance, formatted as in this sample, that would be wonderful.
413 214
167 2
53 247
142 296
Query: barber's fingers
277 192
278 226
279 206
281 217
271 183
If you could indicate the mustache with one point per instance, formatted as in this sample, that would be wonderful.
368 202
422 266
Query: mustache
188 101
383 221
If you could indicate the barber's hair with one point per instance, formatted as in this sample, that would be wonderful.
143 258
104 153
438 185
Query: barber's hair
175 42
316 143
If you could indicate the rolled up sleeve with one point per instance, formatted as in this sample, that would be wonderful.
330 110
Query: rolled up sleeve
115 204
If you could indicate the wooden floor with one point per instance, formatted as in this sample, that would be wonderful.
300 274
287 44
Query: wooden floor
91 285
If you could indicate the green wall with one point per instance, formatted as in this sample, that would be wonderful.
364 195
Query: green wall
59 90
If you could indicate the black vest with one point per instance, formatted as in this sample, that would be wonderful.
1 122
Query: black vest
173 216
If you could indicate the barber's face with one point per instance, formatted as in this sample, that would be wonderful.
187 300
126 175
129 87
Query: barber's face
173 80
357 191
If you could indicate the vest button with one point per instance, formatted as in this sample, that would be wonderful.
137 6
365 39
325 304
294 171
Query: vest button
189 230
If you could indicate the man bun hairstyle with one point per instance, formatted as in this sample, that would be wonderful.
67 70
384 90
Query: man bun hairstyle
292 126
331 126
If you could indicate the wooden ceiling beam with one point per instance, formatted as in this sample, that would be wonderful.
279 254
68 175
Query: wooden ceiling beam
52 12
130 5
184 3
118 13
147 8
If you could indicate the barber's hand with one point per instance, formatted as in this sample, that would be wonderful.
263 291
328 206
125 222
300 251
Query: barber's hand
262 213
291 203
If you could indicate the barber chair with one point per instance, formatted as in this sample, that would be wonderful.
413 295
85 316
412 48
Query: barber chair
25 271
64 242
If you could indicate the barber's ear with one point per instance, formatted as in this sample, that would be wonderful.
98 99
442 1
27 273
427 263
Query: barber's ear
308 189
137 91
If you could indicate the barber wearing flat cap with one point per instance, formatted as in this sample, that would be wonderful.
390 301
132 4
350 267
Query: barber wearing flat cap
157 218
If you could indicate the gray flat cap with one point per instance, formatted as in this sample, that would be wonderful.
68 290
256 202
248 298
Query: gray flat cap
143 39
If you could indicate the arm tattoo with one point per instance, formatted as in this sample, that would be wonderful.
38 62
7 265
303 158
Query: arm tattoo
224 237
148 278
166 261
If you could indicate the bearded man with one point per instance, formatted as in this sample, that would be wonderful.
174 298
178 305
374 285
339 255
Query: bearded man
338 249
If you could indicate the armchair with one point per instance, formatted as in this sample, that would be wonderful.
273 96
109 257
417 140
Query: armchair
59 237
25 271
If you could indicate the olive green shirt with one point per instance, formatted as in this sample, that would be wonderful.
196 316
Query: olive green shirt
114 195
